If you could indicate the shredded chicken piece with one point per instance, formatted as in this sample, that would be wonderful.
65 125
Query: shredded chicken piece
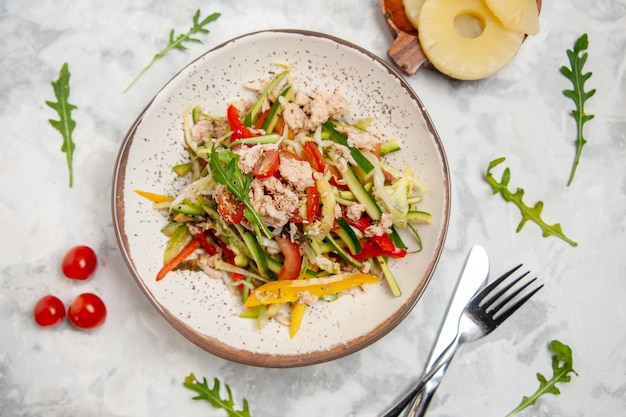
273 200
307 298
202 131
298 173
382 227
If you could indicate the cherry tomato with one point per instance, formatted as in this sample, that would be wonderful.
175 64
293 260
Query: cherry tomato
49 311
79 263
230 208
87 311
267 165
293 261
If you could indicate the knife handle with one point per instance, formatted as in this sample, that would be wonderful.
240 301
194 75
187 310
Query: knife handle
417 408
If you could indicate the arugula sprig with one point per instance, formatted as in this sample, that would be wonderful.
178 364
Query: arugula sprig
528 213
176 42
212 395
65 125
562 367
225 171
577 58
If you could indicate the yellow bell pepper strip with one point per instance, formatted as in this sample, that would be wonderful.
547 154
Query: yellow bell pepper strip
290 290
327 197
154 197
297 313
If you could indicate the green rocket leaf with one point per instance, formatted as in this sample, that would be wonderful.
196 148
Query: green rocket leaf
562 366
528 213
176 42
65 125
577 58
213 396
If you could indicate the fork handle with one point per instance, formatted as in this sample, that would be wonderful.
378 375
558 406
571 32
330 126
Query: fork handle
417 407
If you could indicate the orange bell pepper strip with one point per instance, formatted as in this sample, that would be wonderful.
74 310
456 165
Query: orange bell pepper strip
290 290
178 259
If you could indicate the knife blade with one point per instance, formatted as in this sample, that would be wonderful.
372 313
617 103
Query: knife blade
473 277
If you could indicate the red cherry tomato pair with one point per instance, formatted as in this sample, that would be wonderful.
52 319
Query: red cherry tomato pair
87 311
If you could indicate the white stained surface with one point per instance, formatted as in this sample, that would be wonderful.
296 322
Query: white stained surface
135 364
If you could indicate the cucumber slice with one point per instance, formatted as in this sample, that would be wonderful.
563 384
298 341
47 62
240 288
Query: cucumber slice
253 114
342 253
415 216
347 235
361 194
389 147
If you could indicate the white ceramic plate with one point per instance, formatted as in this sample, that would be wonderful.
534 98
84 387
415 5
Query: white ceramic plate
201 308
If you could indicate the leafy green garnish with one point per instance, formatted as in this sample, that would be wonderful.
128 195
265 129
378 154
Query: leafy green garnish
177 42
231 176
212 395
577 58
562 366
65 125
528 213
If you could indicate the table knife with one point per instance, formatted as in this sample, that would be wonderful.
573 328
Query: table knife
472 278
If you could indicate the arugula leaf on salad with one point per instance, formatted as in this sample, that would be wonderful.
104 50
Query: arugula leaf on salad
213 396
65 125
176 42
528 213
562 367
577 59
231 176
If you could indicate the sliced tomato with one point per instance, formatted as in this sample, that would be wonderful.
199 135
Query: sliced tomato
267 165
293 261
230 208
240 131
313 155
312 203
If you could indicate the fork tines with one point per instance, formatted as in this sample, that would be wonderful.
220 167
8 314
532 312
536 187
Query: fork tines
494 304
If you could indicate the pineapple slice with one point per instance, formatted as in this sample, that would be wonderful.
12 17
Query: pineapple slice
412 10
517 15
464 40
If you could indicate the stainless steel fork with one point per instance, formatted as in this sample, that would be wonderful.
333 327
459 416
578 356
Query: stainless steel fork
483 314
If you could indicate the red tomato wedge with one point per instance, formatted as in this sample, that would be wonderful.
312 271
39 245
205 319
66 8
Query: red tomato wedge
293 261
267 165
